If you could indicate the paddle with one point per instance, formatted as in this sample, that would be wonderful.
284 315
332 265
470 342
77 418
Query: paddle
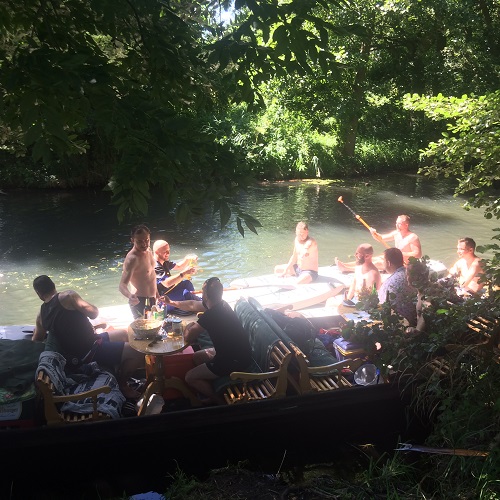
358 217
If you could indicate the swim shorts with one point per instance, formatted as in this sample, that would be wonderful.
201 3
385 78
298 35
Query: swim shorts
299 271
108 353
138 309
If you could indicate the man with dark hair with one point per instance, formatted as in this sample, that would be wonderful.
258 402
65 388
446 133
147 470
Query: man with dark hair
138 281
66 316
468 269
395 289
231 351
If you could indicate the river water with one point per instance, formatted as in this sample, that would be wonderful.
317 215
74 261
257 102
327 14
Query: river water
75 237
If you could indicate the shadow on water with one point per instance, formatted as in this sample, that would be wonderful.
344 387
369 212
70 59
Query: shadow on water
75 238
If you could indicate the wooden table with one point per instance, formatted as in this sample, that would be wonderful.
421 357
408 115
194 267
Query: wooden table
344 311
161 349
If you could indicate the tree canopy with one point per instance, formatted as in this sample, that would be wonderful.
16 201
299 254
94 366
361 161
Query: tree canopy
144 95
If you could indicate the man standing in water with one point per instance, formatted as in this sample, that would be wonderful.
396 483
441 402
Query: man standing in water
304 260
138 281
468 268
404 240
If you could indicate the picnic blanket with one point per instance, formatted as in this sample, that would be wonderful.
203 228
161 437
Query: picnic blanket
89 376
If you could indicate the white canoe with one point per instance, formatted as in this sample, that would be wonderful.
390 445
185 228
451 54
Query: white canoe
292 297
325 274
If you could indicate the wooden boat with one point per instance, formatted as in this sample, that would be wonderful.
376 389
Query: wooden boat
297 429
259 430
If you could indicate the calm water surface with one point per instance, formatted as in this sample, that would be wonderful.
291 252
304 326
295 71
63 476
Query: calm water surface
75 238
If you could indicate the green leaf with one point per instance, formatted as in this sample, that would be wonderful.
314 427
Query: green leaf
225 214
240 227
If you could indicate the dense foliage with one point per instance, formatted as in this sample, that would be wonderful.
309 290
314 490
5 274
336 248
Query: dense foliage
163 93
452 370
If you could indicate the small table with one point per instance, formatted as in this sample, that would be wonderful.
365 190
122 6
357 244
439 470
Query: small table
159 349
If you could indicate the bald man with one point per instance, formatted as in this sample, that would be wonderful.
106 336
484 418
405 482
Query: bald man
177 286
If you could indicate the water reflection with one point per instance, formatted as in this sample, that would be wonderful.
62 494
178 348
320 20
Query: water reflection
74 237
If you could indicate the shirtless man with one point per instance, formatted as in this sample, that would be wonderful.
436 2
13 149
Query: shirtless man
304 260
404 240
468 268
366 275
138 281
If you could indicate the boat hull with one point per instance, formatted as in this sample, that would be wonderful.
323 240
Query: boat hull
306 429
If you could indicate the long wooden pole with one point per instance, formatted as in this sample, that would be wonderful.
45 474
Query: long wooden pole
358 217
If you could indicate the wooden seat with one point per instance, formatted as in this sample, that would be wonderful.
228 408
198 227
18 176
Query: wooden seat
51 402
319 370
312 377
268 376
252 386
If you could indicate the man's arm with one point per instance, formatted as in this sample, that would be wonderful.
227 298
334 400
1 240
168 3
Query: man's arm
373 278
73 301
192 332
352 289
190 261
291 261
454 271
39 333
128 268
185 305
382 237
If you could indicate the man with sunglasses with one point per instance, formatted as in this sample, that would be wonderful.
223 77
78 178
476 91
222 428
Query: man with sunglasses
231 351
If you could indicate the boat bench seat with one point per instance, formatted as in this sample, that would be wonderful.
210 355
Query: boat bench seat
51 402
318 370
267 377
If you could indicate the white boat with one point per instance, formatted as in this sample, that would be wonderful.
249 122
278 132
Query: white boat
290 296
327 274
